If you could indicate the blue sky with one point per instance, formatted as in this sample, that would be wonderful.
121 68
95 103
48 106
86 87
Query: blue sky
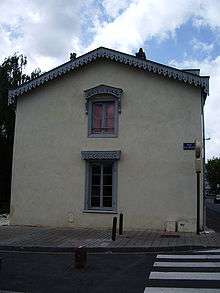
180 33
182 45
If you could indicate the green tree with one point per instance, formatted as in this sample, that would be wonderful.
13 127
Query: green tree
213 173
11 76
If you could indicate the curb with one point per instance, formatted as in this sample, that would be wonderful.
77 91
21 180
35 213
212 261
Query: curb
106 249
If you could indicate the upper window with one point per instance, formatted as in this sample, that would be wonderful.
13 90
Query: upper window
103 118
102 106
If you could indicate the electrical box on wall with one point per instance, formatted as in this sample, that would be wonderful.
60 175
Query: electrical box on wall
170 226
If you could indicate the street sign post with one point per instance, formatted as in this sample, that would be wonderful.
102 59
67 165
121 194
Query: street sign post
198 168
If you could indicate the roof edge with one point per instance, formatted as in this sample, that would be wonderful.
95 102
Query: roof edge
109 54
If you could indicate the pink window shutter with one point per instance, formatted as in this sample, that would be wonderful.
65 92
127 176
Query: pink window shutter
97 117
110 117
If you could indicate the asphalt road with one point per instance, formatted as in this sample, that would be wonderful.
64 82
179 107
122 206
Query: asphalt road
55 272
213 220
213 216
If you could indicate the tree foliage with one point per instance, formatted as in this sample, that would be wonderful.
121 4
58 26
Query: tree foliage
213 173
11 76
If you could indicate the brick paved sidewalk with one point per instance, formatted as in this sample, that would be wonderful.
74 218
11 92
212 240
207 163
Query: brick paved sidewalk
69 238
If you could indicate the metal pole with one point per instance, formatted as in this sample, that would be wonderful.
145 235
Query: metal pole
121 224
198 203
114 228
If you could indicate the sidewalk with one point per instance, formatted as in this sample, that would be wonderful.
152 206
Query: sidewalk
67 239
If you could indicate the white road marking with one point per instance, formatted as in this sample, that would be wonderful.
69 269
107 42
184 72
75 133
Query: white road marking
184 256
179 290
211 250
175 261
187 264
185 275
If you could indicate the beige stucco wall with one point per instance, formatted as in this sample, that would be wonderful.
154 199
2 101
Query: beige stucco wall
156 179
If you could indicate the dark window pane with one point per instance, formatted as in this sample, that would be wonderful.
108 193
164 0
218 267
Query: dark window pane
107 179
95 202
107 190
96 169
95 191
101 184
96 180
107 202
107 169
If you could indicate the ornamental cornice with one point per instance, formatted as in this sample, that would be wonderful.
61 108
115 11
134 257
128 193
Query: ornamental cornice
108 54
103 90
100 155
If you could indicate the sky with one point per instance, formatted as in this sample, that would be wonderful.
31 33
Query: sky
180 33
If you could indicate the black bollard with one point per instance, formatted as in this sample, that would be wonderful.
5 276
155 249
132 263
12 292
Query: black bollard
80 257
114 228
121 224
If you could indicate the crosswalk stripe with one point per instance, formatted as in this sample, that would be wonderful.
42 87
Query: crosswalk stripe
187 264
185 275
191 256
179 290
211 250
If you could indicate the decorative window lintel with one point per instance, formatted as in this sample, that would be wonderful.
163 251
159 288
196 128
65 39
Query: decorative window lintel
100 155
103 89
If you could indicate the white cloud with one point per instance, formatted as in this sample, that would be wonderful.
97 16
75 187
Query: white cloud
5 42
115 7
143 20
212 105
50 30
47 30
202 46
208 14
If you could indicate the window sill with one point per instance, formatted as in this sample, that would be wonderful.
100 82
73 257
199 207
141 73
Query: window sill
99 212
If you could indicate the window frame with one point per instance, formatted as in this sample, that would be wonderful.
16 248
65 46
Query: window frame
103 99
88 185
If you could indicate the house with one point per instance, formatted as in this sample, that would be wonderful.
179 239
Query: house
104 134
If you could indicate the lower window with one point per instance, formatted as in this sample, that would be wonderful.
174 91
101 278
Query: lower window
101 185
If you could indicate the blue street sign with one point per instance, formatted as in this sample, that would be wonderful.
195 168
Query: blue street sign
188 146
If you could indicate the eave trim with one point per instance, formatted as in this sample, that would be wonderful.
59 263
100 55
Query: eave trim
108 54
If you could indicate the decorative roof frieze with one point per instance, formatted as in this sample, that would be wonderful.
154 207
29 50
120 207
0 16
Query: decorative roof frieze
108 54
